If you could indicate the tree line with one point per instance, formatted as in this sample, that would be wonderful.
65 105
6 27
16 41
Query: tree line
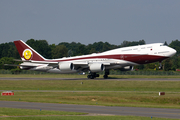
65 49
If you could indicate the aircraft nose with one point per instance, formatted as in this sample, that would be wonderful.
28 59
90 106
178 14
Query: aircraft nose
173 52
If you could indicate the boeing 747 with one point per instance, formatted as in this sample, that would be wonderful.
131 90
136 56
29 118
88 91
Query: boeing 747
123 58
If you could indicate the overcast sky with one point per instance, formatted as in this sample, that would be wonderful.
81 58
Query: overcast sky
89 21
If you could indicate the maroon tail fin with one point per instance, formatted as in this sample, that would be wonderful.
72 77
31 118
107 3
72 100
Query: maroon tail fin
27 53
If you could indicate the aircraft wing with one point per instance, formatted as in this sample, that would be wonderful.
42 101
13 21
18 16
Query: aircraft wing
77 65
28 66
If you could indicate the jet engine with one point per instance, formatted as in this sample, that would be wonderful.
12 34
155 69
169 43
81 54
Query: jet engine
65 66
23 68
127 68
96 67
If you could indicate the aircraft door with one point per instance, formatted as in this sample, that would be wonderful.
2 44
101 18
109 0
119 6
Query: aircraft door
151 51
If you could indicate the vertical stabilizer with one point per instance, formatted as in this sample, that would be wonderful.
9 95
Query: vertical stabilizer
27 53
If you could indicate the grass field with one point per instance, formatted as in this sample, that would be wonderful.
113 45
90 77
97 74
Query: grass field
4 112
93 92
84 76
135 99
83 118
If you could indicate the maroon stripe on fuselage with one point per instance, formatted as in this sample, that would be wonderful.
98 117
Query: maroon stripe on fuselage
136 58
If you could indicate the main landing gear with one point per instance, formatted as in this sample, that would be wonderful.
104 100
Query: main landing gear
92 76
106 74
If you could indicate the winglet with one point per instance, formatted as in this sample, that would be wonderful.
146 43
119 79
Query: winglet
26 52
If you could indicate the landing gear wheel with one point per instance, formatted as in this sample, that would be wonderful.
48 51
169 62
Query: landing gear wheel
105 76
90 77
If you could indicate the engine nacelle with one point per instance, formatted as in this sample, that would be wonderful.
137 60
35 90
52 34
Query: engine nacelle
96 67
127 68
65 66
23 68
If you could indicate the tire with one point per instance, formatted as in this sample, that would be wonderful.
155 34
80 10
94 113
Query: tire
105 76
88 76
91 77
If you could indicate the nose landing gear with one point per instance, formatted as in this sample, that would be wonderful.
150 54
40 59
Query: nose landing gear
160 65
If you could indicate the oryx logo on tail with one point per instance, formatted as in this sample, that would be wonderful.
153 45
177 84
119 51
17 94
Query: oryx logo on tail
27 54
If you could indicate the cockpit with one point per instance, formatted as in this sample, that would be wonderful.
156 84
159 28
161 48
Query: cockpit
165 50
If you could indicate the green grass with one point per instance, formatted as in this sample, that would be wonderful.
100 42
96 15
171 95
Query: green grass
43 76
31 112
144 76
91 92
84 76
90 85
95 92
130 99
85 118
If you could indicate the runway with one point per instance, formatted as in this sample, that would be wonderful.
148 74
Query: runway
117 79
133 111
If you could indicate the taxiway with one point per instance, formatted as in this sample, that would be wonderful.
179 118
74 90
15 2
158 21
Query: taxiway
133 111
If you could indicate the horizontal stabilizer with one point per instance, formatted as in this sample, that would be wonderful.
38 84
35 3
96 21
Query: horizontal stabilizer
18 60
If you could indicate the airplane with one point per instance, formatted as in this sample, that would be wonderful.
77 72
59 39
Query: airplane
120 58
